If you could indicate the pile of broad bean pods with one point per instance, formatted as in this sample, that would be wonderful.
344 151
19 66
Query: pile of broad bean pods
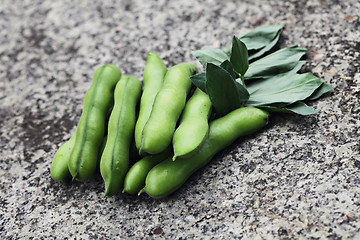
184 117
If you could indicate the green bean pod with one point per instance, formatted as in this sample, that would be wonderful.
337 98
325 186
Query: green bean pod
194 126
167 176
59 168
135 177
153 78
114 161
168 105
92 124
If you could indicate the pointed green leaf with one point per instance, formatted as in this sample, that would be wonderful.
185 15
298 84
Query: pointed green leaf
324 88
229 68
199 80
210 55
262 51
261 36
222 90
278 62
239 56
298 108
260 40
284 88
297 67
243 92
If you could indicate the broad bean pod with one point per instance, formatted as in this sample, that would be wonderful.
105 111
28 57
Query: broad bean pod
153 78
168 105
59 168
114 161
90 131
167 176
135 177
194 126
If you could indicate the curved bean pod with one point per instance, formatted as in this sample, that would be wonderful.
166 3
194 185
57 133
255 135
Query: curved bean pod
114 161
167 176
135 177
167 107
59 168
90 131
153 77
194 126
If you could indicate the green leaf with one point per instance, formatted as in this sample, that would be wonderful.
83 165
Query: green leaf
285 88
297 67
324 88
222 90
229 68
298 108
278 62
210 55
243 92
199 80
262 36
262 51
260 40
239 56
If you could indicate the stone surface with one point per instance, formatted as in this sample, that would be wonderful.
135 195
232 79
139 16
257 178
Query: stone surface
296 179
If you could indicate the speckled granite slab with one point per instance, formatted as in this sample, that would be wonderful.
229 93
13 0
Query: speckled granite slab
296 179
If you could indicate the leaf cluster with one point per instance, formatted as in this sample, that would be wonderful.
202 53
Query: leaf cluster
245 74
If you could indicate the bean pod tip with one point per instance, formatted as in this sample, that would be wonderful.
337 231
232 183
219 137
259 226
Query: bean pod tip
141 191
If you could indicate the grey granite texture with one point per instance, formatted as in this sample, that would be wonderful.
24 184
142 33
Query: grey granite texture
298 178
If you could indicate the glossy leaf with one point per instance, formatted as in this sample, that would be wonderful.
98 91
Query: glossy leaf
239 56
243 92
284 88
297 107
222 90
229 68
199 80
260 37
297 67
210 55
267 48
324 88
260 40
278 62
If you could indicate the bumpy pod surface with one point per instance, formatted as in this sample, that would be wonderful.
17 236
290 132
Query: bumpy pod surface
153 78
90 131
168 105
114 161
194 126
